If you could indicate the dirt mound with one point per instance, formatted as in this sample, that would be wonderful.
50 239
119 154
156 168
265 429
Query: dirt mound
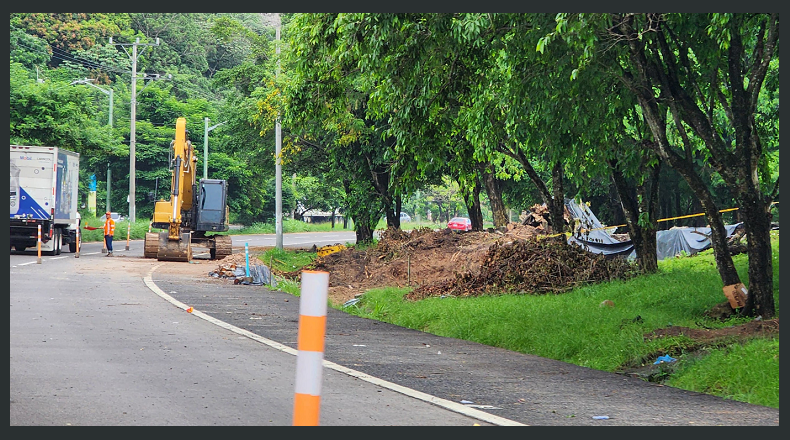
400 258
433 261
549 265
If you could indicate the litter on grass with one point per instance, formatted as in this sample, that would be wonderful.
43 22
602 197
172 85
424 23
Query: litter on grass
666 358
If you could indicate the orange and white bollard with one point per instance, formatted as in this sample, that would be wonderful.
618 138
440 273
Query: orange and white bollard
128 232
149 226
38 244
310 346
79 239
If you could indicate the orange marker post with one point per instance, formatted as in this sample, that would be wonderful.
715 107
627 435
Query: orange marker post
310 346
38 245
128 232
79 239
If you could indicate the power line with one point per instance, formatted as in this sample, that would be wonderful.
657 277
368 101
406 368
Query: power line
63 55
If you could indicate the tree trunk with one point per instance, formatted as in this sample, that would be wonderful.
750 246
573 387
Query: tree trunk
643 237
757 225
557 205
494 195
472 202
363 231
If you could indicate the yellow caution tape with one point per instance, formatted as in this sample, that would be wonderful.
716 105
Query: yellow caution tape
660 220
567 234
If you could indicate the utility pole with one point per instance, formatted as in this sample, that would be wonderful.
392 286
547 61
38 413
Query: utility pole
108 185
132 178
205 145
278 182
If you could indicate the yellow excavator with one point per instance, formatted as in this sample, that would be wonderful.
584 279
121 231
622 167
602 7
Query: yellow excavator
193 209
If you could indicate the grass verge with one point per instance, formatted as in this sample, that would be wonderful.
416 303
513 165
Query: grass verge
577 327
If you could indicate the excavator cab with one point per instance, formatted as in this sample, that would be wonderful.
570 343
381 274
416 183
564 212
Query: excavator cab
211 207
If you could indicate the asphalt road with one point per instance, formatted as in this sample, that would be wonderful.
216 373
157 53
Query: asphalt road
80 355
92 344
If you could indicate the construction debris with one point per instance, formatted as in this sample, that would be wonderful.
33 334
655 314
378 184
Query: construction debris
259 274
548 265
437 263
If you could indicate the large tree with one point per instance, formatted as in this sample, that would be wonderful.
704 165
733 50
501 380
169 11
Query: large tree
701 76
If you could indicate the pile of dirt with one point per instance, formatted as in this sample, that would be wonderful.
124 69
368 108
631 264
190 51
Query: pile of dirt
446 262
400 258
532 266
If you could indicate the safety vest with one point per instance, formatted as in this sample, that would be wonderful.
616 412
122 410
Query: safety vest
109 227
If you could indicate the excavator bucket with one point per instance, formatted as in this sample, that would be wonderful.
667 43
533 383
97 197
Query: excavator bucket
175 250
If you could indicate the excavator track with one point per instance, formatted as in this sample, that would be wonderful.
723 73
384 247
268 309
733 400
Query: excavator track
223 246
151 245
174 250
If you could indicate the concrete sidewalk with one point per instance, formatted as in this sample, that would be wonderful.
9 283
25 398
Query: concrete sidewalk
523 388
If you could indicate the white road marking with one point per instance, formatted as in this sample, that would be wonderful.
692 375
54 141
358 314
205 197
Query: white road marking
448 404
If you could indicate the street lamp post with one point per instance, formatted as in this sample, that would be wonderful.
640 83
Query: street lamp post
108 92
278 176
205 145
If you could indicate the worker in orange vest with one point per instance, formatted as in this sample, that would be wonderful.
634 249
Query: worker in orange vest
109 230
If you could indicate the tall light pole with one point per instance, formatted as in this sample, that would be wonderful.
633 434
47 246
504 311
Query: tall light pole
205 145
132 178
109 92
278 180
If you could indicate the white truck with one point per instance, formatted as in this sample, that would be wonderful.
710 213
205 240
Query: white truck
44 191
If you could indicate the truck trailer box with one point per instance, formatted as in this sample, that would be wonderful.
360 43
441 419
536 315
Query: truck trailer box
44 191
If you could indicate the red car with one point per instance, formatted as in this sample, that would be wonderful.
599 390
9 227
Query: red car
460 224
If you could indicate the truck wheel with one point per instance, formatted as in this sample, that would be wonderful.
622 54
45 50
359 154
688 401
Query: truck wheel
57 245
19 248
73 247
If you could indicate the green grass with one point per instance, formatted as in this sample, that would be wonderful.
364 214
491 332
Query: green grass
285 260
748 373
573 327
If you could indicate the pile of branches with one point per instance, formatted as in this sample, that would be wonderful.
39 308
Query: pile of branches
550 265
395 242
539 217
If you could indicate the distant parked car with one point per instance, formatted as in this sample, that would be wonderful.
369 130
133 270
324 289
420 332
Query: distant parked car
115 216
404 218
460 224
